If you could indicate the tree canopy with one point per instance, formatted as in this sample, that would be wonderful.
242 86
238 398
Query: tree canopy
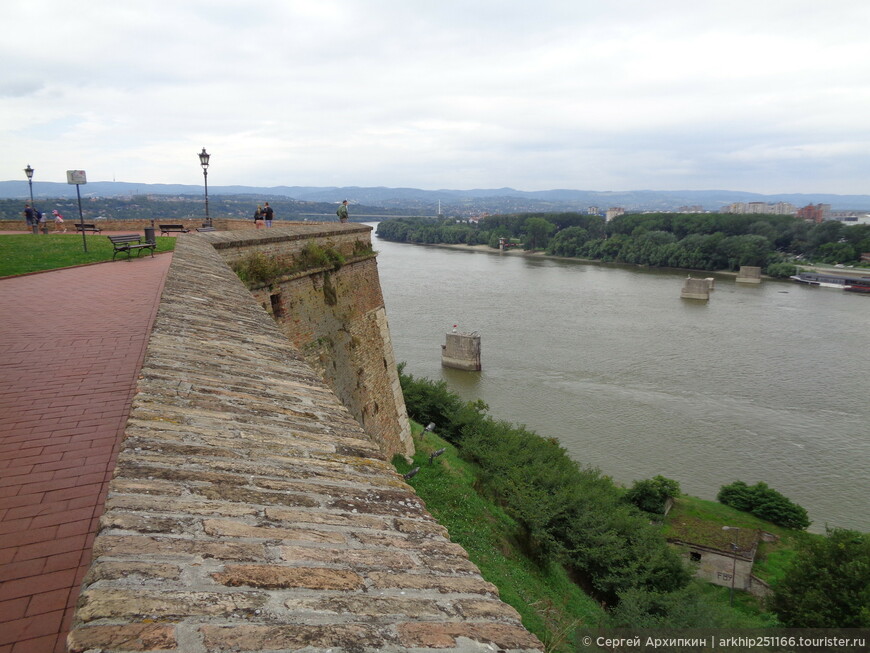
827 585
709 241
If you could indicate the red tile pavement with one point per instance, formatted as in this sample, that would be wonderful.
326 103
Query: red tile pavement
71 344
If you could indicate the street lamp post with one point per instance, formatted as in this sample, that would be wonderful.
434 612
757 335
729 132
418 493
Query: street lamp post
29 172
733 558
203 161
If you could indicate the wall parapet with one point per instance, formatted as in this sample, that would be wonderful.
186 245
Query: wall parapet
249 511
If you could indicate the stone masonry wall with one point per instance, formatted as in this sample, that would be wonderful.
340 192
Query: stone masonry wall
336 318
250 512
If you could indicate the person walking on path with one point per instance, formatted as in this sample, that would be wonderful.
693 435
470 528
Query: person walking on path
268 213
342 212
258 217
59 226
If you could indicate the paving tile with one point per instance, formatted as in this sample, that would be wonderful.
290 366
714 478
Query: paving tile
58 450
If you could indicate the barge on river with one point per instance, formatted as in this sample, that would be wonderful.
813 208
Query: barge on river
843 282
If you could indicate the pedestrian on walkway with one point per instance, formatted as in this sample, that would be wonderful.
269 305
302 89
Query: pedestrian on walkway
268 213
258 217
59 226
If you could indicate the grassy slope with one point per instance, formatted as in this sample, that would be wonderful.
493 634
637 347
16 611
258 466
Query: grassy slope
551 606
23 253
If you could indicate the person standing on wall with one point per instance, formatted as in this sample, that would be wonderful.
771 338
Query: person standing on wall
342 212
258 217
267 214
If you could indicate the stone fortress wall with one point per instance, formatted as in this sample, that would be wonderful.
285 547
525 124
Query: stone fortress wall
250 511
336 319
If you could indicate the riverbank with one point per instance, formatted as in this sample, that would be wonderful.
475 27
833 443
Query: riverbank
486 249
516 251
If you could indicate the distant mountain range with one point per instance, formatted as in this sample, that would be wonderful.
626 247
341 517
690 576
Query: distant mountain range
491 200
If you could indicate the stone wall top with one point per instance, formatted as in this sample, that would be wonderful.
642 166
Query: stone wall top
250 512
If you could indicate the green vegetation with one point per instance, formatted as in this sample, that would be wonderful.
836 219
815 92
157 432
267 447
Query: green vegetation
652 494
317 256
827 584
710 241
549 603
256 268
764 502
559 514
23 253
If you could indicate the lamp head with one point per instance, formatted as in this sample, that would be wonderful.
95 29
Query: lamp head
203 158
29 171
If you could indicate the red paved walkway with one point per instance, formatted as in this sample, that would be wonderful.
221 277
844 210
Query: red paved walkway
71 345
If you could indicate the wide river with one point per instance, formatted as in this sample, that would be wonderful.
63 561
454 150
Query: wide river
762 383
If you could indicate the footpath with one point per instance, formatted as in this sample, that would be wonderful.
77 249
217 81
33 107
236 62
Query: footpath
72 343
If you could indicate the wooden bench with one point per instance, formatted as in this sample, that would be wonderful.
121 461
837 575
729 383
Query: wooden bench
129 242
201 229
88 227
173 228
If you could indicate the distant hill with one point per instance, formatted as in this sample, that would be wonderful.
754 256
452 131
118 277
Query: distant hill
499 200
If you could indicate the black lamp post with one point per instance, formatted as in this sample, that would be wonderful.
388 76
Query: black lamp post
29 172
203 161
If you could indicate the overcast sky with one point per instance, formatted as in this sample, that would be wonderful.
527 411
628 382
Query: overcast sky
771 96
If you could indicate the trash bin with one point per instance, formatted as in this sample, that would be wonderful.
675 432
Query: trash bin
149 235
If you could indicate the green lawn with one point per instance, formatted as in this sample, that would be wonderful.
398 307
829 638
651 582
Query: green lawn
22 253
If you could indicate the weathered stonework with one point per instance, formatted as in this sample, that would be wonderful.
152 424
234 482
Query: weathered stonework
336 319
251 512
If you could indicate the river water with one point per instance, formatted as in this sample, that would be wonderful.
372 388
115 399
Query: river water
762 383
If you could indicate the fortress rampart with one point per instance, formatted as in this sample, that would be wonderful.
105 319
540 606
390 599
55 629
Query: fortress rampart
249 510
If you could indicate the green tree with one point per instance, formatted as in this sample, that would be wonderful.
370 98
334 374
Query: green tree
827 585
652 494
568 242
537 233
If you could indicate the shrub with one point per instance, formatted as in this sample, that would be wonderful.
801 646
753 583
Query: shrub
257 268
652 494
765 503
781 270
315 256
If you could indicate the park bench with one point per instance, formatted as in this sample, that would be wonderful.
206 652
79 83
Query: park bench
87 227
129 242
201 229
173 228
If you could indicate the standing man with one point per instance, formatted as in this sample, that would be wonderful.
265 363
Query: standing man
29 216
268 213
342 211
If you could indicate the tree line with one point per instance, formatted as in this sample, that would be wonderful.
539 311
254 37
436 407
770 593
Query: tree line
708 241
187 207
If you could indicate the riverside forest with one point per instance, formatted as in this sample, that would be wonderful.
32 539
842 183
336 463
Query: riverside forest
708 241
